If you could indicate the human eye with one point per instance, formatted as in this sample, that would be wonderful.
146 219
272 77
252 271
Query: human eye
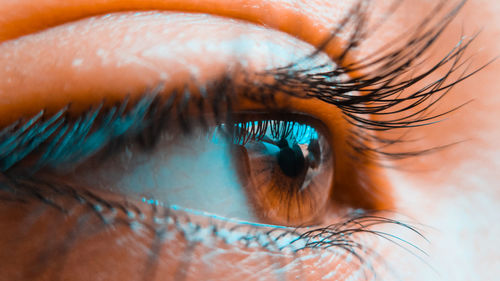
266 156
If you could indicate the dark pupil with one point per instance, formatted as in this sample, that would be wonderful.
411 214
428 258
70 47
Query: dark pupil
290 159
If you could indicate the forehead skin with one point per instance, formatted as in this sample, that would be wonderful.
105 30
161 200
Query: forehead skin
455 192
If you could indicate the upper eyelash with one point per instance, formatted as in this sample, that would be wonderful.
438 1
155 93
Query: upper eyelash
379 90
56 137
244 132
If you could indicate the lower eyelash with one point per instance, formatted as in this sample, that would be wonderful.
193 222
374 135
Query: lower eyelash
343 239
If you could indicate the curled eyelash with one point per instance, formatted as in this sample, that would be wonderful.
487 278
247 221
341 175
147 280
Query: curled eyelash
342 239
373 93
61 139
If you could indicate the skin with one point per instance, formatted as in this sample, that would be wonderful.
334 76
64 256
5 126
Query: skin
450 195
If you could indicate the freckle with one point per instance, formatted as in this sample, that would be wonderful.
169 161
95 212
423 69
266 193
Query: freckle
77 62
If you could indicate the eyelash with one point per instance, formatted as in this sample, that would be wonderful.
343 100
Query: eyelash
55 138
382 84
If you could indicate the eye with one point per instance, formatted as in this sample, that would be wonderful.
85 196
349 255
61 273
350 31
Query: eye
301 182
269 171
289 162
274 163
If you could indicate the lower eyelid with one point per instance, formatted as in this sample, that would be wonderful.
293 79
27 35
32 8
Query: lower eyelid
149 227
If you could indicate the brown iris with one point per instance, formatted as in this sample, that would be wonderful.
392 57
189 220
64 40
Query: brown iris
287 177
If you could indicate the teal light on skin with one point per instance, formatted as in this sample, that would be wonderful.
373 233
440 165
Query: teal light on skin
174 207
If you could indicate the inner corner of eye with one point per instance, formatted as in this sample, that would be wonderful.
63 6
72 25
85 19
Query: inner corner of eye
257 167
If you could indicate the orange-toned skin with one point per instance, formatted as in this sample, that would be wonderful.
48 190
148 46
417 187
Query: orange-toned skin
460 251
50 13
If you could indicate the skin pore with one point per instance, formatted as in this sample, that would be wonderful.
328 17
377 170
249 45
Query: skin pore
450 195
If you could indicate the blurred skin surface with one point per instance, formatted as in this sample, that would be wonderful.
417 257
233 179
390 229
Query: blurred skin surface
453 195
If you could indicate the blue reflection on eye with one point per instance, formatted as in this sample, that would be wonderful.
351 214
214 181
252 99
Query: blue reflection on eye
271 131
152 201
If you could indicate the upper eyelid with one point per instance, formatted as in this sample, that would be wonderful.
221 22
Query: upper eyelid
64 139
315 31
50 131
